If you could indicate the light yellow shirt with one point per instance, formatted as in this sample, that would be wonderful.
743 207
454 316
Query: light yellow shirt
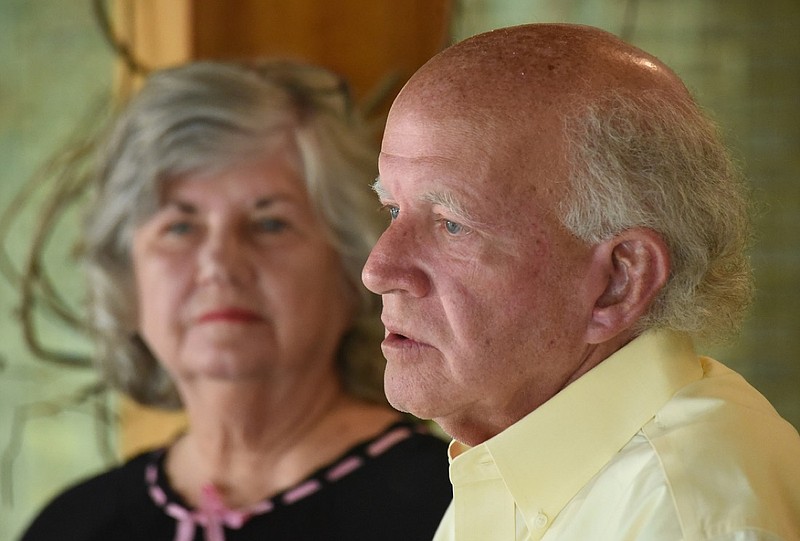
655 443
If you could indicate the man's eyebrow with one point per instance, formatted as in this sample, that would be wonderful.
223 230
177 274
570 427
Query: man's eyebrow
441 198
452 205
378 188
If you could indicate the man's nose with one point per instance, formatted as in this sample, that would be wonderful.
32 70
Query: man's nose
395 264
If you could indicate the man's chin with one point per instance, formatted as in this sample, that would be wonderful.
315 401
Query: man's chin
410 391
401 401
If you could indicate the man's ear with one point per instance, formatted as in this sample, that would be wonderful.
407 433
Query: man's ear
633 266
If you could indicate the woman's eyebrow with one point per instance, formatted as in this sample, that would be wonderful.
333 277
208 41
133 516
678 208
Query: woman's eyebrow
264 202
180 206
270 200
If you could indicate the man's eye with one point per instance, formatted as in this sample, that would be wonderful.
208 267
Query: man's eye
393 211
270 225
453 228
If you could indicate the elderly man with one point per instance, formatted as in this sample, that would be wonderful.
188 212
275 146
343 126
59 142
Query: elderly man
565 222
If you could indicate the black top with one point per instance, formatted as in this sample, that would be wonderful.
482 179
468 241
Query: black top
393 487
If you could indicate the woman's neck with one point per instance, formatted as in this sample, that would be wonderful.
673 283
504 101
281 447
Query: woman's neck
250 447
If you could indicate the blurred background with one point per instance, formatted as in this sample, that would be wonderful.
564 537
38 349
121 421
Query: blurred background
64 65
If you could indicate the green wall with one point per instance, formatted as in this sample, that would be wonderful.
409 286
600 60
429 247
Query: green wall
53 67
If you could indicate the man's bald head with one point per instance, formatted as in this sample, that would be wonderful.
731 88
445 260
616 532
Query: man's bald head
536 68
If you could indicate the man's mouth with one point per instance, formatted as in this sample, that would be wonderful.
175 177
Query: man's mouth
399 340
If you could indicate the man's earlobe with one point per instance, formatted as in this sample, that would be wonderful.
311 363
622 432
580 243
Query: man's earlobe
636 267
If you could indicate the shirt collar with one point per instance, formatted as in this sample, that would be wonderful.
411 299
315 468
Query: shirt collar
546 457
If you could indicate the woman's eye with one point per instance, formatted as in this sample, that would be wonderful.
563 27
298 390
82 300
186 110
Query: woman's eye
270 225
179 228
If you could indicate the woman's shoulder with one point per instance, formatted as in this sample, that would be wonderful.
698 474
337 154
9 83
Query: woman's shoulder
404 473
410 449
409 438
84 508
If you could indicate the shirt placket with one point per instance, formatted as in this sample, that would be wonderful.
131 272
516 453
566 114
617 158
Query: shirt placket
484 509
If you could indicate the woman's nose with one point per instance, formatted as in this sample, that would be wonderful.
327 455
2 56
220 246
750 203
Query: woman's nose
221 257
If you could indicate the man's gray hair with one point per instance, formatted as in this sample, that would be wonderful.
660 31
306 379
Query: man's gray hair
642 160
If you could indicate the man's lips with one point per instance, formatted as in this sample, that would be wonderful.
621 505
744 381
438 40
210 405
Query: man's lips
396 340
234 315
400 338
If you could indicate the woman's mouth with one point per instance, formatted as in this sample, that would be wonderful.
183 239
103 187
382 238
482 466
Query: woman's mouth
232 315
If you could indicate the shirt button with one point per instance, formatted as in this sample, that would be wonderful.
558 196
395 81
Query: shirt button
540 520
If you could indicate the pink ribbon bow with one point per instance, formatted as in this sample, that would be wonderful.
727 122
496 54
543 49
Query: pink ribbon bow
212 515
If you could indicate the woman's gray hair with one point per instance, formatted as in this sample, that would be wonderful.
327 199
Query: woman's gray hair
208 116
646 160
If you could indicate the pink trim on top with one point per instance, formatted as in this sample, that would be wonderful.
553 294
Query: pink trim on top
344 467
386 442
213 516
299 492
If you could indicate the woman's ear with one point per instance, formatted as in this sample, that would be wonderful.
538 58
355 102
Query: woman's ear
634 267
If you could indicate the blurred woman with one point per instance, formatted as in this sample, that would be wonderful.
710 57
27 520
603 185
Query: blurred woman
224 250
